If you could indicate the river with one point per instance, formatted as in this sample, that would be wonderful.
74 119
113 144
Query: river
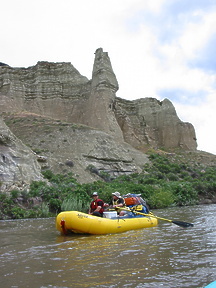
33 254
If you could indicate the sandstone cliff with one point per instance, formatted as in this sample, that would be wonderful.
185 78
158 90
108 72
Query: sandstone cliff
155 123
59 91
51 107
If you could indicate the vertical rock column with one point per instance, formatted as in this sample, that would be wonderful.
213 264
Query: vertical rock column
101 105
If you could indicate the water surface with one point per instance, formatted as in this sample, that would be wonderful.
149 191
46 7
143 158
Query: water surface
33 254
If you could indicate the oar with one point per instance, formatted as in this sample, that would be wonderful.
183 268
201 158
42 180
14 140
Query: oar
179 223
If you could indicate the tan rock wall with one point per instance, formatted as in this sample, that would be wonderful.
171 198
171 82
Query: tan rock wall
155 123
59 91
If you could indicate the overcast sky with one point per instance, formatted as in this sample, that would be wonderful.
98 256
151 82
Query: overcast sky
158 48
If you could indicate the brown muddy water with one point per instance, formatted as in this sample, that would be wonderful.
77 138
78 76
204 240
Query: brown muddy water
33 254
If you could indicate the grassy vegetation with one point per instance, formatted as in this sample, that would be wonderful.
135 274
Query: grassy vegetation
163 183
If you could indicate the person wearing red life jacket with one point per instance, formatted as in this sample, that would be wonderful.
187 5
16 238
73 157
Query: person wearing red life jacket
96 206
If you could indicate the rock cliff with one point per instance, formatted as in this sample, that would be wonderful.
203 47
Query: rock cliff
51 107
155 123
66 147
18 164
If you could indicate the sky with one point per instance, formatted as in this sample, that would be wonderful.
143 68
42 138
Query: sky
158 48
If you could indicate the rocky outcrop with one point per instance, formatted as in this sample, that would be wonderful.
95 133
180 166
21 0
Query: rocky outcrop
78 123
18 164
155 123
86 152
55 90
59 91
99 111
3 64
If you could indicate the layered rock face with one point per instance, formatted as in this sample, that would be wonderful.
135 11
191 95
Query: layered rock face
117 128
51 89
59 91
151 122
18 164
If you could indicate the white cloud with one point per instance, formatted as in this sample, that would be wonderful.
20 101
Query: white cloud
152 46
197 34
203 119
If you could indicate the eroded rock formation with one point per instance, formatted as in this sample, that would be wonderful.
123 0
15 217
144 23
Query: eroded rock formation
59 91
18 164
115 129
151 122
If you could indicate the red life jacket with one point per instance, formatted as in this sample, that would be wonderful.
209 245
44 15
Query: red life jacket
94 205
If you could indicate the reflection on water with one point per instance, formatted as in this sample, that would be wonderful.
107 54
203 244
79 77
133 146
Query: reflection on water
33 254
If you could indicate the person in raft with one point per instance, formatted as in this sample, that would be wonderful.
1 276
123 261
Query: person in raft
96 206
117 201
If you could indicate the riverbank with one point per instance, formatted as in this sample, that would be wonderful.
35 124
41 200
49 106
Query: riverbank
167 181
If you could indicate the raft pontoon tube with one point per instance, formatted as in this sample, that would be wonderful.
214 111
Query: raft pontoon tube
82 223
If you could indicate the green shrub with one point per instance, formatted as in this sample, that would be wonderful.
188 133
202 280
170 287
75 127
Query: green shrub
185 194
15 194
36 188
105 176
161 198
55 205
44 210
32 213
150 180
17 213
172 177
73 204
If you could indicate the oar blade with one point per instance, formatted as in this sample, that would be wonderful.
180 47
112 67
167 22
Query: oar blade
183 224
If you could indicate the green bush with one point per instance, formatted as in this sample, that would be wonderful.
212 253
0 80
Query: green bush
15 194
161 198
73 204
172 177
55 205
17 213
44 210
149 180
184 193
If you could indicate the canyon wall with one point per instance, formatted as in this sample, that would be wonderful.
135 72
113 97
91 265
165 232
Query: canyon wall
103 130
59 91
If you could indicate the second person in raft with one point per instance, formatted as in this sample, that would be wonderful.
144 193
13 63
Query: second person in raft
117 201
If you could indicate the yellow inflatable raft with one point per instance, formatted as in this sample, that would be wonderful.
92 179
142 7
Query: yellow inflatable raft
82 223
